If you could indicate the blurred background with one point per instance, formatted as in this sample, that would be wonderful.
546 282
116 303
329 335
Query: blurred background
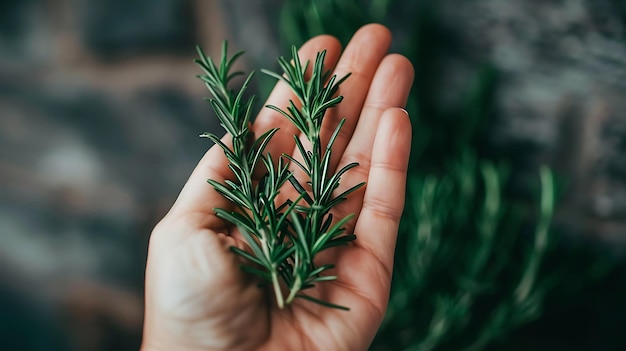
515 229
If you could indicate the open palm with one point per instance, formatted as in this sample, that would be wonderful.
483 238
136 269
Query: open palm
197 298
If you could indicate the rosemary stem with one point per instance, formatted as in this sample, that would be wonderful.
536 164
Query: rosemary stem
317 180
266 251
297 284
279 295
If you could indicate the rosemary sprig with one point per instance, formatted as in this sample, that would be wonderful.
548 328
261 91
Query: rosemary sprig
284 237
258 218
314 231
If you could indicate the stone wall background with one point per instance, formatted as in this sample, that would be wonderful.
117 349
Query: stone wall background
100 112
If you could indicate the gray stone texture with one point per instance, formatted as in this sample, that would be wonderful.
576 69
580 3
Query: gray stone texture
560 101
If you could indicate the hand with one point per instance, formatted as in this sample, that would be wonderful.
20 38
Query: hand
197 297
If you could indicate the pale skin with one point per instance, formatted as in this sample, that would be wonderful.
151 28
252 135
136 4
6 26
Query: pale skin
197 298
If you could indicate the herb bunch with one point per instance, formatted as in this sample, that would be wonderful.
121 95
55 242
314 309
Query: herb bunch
284 236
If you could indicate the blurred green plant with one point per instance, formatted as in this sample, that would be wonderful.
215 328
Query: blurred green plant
459 269
469 254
